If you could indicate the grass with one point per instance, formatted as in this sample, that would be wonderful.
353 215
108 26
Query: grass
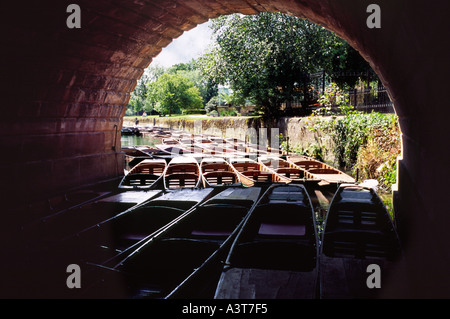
388 202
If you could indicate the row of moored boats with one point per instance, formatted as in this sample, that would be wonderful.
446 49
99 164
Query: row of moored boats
240 242
210 225
209 161
220 226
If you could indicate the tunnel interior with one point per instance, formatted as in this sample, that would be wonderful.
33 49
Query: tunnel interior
66 91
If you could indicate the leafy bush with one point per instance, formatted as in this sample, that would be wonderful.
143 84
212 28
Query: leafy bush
212 104
378 158
193 111
334 102
313 150
333 97
367 143
228 113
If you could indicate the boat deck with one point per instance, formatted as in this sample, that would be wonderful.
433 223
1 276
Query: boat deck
248 283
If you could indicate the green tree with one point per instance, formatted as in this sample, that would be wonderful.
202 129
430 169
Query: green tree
173 93
205 85
268 57
154 71
138 98
345 59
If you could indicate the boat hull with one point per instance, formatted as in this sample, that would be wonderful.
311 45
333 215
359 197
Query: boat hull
275 253
358 232
178 255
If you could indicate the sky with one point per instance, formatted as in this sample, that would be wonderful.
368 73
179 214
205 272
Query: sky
191 44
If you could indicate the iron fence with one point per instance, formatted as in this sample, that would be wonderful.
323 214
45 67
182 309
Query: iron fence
370 95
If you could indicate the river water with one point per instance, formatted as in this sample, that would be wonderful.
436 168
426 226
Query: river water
132 140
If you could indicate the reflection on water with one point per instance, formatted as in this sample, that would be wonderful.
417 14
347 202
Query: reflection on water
132 140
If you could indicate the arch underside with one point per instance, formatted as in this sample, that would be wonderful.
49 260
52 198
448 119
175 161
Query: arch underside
67 89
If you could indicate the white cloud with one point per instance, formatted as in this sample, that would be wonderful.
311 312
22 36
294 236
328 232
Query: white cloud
191 44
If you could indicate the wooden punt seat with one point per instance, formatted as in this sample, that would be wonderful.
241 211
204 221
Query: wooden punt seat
206 225
157 169
181 168
324 171
289 220
140 179
215 167
292 197
365 218
284 164
179 180
272 229
242 167
306 164
280 222
279 237
258 176
359 230
356 195
356 208
293 173
360 244
170 141
220 177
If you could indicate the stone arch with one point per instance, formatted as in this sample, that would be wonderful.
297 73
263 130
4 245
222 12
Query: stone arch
65 92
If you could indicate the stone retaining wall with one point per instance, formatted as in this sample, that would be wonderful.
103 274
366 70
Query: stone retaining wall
252 129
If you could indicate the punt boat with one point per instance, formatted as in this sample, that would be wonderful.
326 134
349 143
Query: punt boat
147 174
275 254
220 149
194 150
258 172
217 171
133 156
358 232
182 171
283 167
173 150
159 133
116 235
202 140
55 244
176 257
53 229
170 141
318 170
150 151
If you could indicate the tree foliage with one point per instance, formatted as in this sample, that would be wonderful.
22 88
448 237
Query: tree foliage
268 57
173 93
138 98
